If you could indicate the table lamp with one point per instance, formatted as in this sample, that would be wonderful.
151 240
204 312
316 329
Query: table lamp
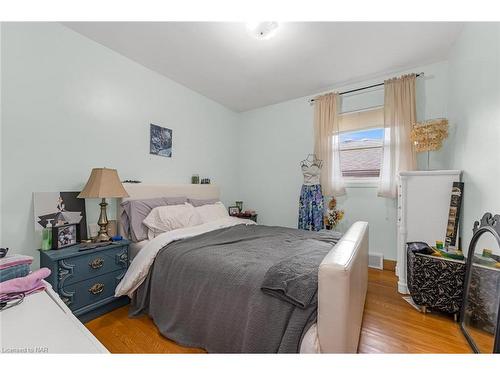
103 183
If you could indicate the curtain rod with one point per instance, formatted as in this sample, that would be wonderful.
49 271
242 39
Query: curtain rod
364 88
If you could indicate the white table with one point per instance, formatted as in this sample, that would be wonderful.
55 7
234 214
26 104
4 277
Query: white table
42 323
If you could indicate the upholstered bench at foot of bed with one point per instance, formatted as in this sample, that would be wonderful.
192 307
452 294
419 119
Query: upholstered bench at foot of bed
342 285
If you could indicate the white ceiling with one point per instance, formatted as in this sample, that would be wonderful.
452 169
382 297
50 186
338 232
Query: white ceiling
223 62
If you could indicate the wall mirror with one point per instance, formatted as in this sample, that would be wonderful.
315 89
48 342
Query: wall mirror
479 319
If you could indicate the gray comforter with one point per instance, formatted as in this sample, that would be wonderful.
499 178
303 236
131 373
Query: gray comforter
243 289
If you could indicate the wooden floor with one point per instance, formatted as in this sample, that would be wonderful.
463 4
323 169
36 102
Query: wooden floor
390 325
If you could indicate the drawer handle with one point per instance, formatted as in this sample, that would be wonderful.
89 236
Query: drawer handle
96 263
97 288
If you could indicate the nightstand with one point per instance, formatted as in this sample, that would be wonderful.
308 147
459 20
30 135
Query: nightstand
249 217
86 280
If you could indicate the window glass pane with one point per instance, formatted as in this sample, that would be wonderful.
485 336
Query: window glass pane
361 152
368 134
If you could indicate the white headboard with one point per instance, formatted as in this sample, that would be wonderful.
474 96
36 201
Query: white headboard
144 191
198 191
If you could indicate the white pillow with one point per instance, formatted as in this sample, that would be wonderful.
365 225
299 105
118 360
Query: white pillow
211 212
166 218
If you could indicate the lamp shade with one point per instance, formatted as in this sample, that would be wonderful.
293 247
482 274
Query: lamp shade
429 135
103 183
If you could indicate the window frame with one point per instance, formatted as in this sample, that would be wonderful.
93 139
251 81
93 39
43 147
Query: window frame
361 181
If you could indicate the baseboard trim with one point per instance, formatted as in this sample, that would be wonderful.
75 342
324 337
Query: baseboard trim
403 288
389 265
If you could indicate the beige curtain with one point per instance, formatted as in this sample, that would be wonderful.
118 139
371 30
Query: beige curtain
326 143
399 117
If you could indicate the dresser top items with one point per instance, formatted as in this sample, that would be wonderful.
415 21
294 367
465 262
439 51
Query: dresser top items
76 250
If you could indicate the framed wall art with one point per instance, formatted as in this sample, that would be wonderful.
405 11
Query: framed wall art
160 141
58 208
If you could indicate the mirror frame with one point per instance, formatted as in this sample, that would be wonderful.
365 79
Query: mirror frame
488 224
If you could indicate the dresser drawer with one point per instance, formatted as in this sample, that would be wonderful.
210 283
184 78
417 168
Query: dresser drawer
91 291
83 267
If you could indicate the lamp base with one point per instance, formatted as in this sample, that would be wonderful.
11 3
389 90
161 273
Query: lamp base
102 236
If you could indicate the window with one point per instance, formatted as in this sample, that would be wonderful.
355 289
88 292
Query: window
361 141
361 152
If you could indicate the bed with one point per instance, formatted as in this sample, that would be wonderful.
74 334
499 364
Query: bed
173 266
143 191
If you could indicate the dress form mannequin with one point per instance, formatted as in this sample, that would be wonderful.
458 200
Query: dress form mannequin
311 198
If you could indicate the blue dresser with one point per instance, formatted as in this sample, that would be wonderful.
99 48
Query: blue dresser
86 280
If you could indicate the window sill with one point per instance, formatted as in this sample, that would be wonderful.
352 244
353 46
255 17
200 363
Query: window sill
361 182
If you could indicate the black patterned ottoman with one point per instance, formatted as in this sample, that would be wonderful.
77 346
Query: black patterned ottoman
436 283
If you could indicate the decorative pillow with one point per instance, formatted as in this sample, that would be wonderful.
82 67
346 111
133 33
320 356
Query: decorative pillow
211 212
136 210
166 218
202 202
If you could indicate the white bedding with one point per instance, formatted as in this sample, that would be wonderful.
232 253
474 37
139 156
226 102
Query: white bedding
139 268
168 218
211 212
135 247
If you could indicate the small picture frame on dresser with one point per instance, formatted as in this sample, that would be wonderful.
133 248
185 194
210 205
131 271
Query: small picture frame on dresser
65 235
233 210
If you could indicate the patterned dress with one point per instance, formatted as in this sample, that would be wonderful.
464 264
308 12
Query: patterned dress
311 199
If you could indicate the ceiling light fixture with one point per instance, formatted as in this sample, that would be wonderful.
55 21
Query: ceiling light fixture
263 30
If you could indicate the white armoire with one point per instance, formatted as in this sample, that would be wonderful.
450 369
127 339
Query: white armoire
423 208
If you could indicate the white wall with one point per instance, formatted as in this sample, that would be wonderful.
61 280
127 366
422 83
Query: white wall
70 104
474 113
276 138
